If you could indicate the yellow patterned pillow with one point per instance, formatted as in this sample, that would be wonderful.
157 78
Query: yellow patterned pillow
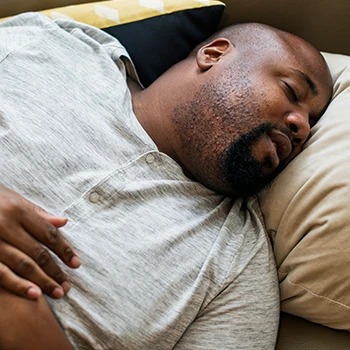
104 14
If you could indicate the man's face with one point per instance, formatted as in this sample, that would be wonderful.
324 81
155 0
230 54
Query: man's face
244 126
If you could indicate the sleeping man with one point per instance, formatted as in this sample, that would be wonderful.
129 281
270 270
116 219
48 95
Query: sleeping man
152 182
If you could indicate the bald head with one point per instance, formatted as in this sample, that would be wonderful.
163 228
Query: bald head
255 35
241 106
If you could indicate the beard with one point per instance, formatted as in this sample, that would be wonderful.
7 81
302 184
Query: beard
241 170
217 129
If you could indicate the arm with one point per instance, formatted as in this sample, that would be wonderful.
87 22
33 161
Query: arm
29 324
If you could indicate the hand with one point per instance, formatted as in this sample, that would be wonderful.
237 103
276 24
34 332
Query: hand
26 267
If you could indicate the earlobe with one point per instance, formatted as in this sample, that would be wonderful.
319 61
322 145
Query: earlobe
211 53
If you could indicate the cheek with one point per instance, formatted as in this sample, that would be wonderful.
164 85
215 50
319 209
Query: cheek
207 126
269 103
272 101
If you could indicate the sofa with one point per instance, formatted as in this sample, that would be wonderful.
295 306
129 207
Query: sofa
325 24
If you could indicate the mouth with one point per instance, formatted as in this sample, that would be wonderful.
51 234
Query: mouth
280 146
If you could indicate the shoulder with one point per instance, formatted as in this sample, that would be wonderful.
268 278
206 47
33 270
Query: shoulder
253 265
28 19
244 314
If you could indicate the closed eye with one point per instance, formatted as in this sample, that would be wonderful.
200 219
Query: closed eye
292 94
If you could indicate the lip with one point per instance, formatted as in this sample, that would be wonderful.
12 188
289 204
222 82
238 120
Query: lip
281 142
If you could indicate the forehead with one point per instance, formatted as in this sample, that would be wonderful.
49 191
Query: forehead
292 56
303 56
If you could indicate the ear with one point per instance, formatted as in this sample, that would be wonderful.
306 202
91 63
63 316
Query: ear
211 53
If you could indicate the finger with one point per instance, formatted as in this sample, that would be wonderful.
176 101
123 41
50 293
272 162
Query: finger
18 285
28 258
57 221
25 267
51 237
20 240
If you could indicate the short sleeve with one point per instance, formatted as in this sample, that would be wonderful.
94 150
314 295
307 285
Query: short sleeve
245 315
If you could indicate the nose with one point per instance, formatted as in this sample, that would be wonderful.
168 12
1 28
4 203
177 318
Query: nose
298 124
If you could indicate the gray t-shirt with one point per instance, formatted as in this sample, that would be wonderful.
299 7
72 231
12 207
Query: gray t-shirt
166 263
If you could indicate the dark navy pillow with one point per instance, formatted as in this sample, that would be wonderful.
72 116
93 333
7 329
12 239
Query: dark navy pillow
157 43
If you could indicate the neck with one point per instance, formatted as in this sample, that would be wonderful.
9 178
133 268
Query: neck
148 107
154 107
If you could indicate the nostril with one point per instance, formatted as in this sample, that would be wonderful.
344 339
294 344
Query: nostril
293 127
296 140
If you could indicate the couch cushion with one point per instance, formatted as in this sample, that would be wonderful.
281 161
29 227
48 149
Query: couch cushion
323 23
307 213
298 334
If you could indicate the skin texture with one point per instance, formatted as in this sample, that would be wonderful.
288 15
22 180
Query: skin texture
28 324
246 77
237 100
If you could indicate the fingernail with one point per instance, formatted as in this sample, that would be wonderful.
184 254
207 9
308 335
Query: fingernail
75 261
33 292
57 293
66 286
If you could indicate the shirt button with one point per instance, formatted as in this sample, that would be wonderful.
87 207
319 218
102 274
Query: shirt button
94 197
150 158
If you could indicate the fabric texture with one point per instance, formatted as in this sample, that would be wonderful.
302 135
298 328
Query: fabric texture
307 215
156 34
166 263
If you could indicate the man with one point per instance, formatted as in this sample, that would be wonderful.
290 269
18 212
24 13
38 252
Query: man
167 263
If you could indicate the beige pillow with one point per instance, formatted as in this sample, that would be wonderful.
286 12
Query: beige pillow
307 213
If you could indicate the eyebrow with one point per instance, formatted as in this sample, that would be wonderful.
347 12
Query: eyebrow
308 81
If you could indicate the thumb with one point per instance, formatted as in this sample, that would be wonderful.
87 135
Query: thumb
57 221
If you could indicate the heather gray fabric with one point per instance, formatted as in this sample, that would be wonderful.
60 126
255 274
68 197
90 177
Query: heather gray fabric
166 263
